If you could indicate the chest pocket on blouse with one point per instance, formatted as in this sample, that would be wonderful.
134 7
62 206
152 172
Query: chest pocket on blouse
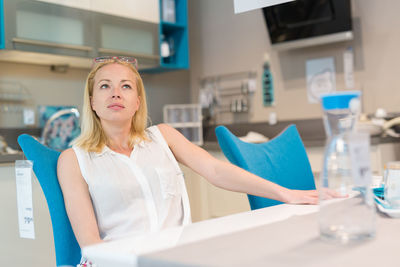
168 182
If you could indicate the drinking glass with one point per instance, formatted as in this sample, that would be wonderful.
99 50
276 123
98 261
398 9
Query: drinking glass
392 184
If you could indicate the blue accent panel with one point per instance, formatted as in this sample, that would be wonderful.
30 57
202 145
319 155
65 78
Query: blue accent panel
282 160
2 26
338 100
45 160
182 18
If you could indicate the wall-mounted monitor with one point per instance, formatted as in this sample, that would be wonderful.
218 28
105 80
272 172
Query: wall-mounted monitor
308 22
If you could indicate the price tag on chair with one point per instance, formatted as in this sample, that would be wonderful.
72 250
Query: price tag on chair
23 176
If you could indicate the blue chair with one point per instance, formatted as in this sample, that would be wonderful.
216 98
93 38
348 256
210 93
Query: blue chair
44 160
282 160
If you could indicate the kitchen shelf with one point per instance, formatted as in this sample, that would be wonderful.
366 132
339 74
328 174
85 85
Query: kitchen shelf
90 34
177 36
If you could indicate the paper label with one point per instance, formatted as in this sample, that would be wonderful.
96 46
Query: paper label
23 176
321 78
360 158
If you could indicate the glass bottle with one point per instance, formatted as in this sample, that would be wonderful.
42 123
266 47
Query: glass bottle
353 217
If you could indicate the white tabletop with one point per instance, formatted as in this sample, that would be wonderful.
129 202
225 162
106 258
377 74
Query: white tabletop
125 252
292 242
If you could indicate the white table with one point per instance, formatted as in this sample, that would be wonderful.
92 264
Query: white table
283 235
292 242
127 251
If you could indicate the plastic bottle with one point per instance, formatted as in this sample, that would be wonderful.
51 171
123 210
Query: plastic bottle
351 218
165 49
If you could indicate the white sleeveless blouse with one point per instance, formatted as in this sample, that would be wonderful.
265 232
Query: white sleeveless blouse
138 194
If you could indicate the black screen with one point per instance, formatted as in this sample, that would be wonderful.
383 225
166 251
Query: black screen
307 18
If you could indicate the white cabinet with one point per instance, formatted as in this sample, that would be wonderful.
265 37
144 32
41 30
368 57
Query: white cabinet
81 4
144 10
223 202
315 156
72 33
16 251
208 201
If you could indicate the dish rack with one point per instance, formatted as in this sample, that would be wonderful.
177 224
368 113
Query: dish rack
187 119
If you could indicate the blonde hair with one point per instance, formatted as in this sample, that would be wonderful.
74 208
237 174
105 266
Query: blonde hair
93 137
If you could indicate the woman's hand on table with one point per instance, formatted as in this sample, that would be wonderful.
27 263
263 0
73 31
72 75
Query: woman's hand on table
310 196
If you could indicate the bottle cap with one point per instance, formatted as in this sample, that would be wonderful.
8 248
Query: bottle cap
338 100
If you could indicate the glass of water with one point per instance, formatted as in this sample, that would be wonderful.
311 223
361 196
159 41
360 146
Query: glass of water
392 184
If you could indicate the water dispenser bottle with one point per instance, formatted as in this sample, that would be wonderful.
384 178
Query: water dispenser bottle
353 217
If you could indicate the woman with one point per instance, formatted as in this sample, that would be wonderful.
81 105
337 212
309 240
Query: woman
122 178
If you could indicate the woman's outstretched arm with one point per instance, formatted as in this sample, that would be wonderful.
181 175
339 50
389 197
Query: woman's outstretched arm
229 176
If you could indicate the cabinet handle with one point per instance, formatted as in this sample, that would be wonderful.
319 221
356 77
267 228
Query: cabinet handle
119 52
49 44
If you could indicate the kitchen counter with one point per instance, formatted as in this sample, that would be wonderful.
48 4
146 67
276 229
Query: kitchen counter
10 158
375 140
11 135
312 132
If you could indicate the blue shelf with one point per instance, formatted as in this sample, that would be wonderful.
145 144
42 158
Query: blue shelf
172 66
164 68
170 25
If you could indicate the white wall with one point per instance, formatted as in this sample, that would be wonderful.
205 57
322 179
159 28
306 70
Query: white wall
166 88
222 42
45 87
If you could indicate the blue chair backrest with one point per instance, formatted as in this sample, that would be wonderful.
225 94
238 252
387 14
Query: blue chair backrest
45 160
282 160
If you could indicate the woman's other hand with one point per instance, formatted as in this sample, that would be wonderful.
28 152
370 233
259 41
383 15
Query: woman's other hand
309 196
